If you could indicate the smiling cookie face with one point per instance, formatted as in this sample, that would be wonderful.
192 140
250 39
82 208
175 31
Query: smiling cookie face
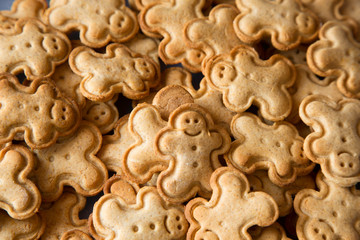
192 123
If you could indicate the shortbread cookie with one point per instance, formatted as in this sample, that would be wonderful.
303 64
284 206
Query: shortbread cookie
114 146
71 162
149 218
119 70
283 196
263 83
334 142
28 229
337 54
99 22
167 19
273 232
42 112
18 195
27 8
118 185
144 45
103 114
63 216
231 210
191 143
288 23
33 48
277 148
330 213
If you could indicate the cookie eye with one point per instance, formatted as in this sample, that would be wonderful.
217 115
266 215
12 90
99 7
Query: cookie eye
135 228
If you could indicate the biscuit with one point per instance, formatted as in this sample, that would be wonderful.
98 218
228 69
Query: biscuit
98 22
72 162
149 218
290 24
277 148
42 113
19 196
272 232
263 83
334 141
33 48
118 185
119 70
27 8
231 207
144 45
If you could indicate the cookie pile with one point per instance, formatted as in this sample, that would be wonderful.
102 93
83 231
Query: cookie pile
253 134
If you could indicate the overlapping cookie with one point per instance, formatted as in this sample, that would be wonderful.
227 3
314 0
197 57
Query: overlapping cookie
272 232
334 142
42 112
330 213
71 162
290 24
263 83
118 185
119 70
277 148
144 45
232 209
149 218
27 8
99 22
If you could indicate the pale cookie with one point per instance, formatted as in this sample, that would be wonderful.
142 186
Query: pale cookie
191 144
287 22
144 45
296 55
350 9
63 216
306 84
167 19
71 162
33 48
337 54
244 79
334 142
213 34
103 114
114 146
18 195
283 196
26 8
99 22
147 219
42 113
28 229
118 70
273 232
232 209
277 148
330 213
140 160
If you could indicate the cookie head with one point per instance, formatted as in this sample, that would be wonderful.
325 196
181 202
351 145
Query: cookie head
306 23
62 114
121 23
54 45
175 222
344 164
223 73
318 230
145 69
191 122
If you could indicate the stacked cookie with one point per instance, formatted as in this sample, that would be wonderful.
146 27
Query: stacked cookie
254 134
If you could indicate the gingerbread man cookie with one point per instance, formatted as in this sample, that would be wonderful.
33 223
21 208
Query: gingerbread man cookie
231 210
27 8
334 142
42 112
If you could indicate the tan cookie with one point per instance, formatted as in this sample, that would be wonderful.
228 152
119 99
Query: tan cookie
149 218
296 55
231 210
103 114
75 235
62 216
334 142
191 143
283 196
337 54
306 84
118 185
42 112
330 213
18 195
167 19
263 83
32 48
350 10
28 229
277 148
119 70
71 162
144 45
27 8
214 34
99 22
114 146
273 232
288 23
